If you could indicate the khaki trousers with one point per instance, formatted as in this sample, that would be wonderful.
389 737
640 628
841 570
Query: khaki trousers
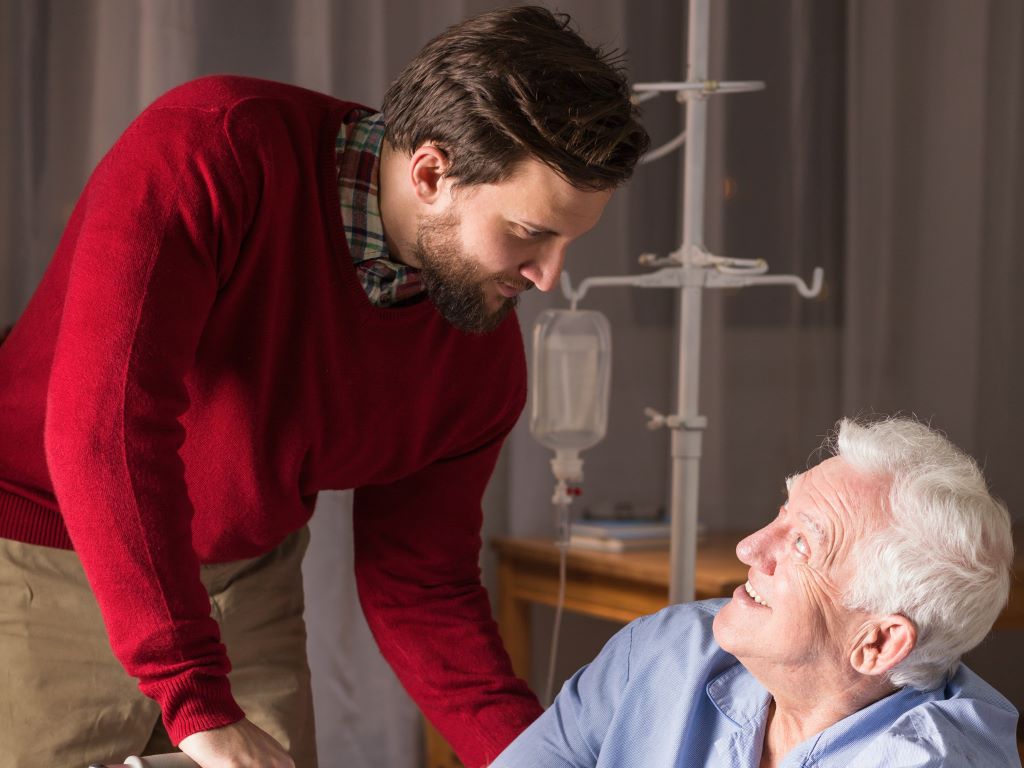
66 702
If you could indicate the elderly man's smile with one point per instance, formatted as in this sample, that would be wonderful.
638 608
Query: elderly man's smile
749 588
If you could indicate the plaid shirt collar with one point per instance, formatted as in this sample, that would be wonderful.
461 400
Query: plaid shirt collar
357 157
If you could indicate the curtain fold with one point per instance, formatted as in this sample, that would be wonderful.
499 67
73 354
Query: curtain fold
363 717
22 30
935 178
1001 365
933 276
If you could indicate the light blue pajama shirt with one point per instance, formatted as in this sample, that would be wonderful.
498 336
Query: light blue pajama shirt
663 694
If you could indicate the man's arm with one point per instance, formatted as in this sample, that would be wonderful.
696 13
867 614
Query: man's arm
140 258
417 548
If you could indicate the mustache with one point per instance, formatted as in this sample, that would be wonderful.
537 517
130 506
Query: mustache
517 285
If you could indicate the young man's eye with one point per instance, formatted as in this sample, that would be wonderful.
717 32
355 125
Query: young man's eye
527 232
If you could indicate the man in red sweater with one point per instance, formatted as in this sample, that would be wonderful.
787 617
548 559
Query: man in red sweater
262 293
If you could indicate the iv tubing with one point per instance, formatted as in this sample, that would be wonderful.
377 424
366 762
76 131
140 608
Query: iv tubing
564 525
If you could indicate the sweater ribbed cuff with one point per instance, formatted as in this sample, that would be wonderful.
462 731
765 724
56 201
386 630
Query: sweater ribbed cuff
193 704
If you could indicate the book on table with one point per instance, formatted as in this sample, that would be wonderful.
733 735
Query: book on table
622 529
606 544
620 535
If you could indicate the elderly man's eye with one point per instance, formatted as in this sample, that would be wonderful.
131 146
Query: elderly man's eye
801 545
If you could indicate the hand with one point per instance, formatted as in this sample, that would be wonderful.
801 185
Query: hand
239 745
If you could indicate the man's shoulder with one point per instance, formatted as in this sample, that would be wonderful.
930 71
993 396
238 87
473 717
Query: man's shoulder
969 706
968 684
966 722
223 92
685 628
699 614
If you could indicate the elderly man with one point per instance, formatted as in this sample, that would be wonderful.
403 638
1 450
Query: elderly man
886 563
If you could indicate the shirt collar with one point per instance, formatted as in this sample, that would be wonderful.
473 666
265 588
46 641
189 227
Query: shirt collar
741 698
743 701
863 724
358 158
387 283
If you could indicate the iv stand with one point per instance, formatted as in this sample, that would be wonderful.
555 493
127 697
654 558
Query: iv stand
691 269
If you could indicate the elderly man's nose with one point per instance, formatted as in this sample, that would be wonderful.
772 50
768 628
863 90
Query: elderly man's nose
756 550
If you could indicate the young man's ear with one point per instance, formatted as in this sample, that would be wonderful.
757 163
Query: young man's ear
427 167
882 644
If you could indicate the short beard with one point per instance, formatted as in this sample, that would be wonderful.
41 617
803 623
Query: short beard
454 282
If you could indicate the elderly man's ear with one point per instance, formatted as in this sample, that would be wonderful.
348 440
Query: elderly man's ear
882 644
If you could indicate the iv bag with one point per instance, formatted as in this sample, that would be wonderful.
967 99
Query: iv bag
572 352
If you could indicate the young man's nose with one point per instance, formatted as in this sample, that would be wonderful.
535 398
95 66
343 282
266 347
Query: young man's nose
545 269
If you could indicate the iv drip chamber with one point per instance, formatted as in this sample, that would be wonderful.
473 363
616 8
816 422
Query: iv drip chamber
571 379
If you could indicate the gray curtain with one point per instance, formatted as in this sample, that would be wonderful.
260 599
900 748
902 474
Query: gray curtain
935 183
933 276
887 148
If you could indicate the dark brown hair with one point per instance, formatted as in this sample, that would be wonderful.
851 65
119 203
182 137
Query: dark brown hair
513 83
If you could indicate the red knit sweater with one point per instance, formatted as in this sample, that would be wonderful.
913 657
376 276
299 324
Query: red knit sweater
201 359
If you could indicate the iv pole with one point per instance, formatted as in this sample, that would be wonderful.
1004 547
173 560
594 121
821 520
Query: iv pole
691 269
688 434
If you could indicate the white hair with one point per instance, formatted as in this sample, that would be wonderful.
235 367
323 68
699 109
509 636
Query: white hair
945 560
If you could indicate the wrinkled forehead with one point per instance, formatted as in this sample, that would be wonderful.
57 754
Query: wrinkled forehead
833 495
